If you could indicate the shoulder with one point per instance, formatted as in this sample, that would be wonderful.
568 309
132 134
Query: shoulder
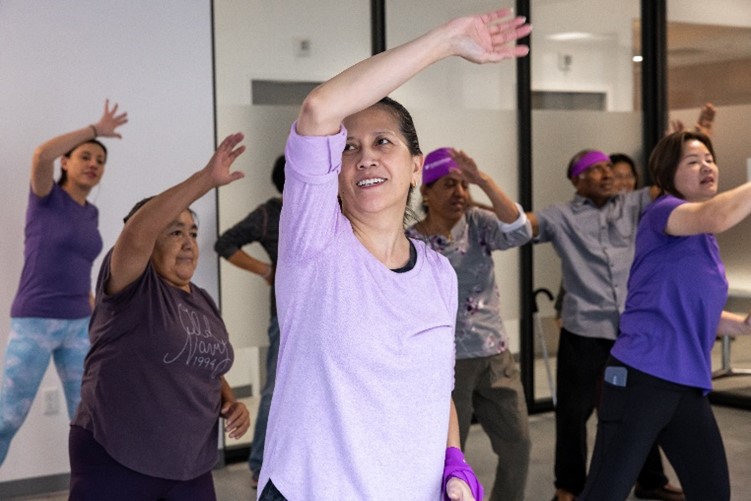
477 215
657 213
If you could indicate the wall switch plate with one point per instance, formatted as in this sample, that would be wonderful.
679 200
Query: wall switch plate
51 398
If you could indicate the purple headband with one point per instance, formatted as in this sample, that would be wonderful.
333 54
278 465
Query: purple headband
588 160
438 163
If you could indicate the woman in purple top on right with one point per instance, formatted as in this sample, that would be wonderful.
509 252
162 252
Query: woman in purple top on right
659 372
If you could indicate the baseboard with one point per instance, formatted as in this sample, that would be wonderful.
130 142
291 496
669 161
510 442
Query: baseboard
34 486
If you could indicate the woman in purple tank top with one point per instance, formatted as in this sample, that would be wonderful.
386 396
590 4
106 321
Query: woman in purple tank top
50 313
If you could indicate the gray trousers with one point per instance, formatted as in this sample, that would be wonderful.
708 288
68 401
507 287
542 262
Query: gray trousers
490 388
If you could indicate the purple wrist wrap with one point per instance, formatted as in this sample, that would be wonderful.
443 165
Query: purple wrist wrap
456 466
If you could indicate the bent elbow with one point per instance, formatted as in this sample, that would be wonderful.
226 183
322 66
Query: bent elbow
318 115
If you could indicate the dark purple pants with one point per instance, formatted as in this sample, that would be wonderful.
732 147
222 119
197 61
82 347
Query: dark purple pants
95 475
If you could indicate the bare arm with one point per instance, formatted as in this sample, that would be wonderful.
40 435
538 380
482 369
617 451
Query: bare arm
43 161
715 215
136 242
532 218
243 260
503 207
453 439
480 39
732 324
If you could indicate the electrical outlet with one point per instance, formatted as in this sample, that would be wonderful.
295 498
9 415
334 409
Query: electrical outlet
302 47
51 401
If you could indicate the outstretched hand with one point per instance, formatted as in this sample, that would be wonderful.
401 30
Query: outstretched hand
706 119
220 163
703 124
486 38
110 121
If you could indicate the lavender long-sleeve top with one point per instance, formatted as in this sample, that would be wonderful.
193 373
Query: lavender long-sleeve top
365 373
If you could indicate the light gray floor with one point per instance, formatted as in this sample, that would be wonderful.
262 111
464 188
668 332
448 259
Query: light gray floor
233 481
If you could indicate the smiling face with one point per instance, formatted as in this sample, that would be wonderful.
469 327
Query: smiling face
623 177
377 166
175 254
85 166
697 176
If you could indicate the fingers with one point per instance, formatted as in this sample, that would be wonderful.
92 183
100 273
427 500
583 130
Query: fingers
503 34
237 420
111 120
230 142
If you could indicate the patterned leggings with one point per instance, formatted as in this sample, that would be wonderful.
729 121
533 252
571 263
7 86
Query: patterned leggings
31 343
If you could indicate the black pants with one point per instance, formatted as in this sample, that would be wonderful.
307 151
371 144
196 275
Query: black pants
271 493
581 364
678 417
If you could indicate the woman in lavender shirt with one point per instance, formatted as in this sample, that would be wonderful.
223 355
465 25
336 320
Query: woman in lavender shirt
659 372
362 405
51 310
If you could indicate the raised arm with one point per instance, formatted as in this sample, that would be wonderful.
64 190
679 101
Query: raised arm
703 123
720 213
136 242
43 161
479 39
503 207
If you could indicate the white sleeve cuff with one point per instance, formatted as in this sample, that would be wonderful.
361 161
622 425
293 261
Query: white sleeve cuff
520 221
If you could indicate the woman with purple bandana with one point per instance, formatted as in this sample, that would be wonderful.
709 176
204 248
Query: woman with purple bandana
362 406
51 310
486 377
659 372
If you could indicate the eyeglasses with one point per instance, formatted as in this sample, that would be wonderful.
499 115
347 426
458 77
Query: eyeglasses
624 177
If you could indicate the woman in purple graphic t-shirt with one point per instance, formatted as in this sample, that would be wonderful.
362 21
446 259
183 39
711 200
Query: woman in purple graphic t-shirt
153 387
50 313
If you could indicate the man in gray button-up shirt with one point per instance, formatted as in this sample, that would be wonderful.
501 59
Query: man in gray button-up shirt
594 237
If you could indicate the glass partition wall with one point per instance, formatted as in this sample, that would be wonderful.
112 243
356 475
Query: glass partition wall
267 56
709 60
584 93
581 87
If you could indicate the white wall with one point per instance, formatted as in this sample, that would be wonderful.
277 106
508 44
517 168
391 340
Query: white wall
600 64
59 61
255 39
